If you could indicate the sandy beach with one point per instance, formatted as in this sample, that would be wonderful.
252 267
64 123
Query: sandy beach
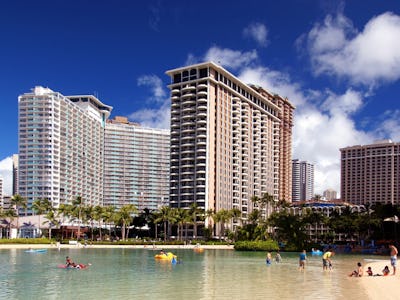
381 287
74 246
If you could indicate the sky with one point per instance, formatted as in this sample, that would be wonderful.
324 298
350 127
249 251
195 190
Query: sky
338 62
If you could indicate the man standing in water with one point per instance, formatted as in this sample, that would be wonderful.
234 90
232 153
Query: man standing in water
326 259
393 257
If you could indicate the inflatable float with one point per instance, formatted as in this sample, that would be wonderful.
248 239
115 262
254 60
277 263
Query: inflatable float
316 252
77 267
36 250
169 256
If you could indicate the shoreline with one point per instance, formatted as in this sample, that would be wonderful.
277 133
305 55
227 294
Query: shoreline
88 246
380 287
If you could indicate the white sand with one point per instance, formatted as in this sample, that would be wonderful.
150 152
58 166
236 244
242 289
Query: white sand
381 287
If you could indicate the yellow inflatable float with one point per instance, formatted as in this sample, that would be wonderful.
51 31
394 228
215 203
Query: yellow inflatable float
166 256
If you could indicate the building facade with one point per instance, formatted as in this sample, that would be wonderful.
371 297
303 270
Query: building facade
302 180
15 189
1 192
225 141
330 194
136 165
61 142
284 129
370 174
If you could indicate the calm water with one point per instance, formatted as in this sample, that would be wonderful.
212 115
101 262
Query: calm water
134 274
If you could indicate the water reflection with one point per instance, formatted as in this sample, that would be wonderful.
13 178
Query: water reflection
135 274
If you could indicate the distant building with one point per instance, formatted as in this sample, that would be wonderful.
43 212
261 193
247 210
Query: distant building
330 194
1 191
370 174
302 180
15 189
136 165
61 146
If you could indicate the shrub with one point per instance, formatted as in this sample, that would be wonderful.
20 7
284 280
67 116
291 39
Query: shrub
268 245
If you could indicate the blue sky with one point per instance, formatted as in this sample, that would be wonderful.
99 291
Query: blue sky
338 62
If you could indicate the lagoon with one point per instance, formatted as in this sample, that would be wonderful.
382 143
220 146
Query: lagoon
135 274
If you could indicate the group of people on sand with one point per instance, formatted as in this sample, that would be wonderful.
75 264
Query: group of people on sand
359 272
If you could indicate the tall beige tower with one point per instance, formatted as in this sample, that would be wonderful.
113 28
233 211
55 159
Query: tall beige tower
225 141
285 129
370 174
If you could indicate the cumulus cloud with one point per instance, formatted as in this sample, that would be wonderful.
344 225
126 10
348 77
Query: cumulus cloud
323 122
6 174
156 86
232 59
370 57
258 32
158 117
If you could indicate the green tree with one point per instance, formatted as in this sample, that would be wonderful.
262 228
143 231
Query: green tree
77 212
98 216
222 216
8 217
165 215
125 216
40 207
19 202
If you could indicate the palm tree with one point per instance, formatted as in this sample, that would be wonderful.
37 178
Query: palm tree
124 215
77 212
165 215
19 202
8 217
98 215
41 206
222 216
194 211
181 218
108 215
52 220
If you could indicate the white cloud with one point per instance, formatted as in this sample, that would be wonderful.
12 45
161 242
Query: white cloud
258 32
156 85
389 125
319 131
347 103
370 57
230 58
153 118
6 174
158 117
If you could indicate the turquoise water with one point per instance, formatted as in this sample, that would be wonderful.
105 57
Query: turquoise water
135 274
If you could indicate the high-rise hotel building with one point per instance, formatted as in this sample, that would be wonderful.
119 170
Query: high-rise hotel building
15 174
225 140
61 147
136 165
302 180
370 174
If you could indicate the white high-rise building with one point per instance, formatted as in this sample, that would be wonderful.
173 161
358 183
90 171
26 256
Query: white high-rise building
15 174
330 194
61 144
302 180
1 191
225 140
136 165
